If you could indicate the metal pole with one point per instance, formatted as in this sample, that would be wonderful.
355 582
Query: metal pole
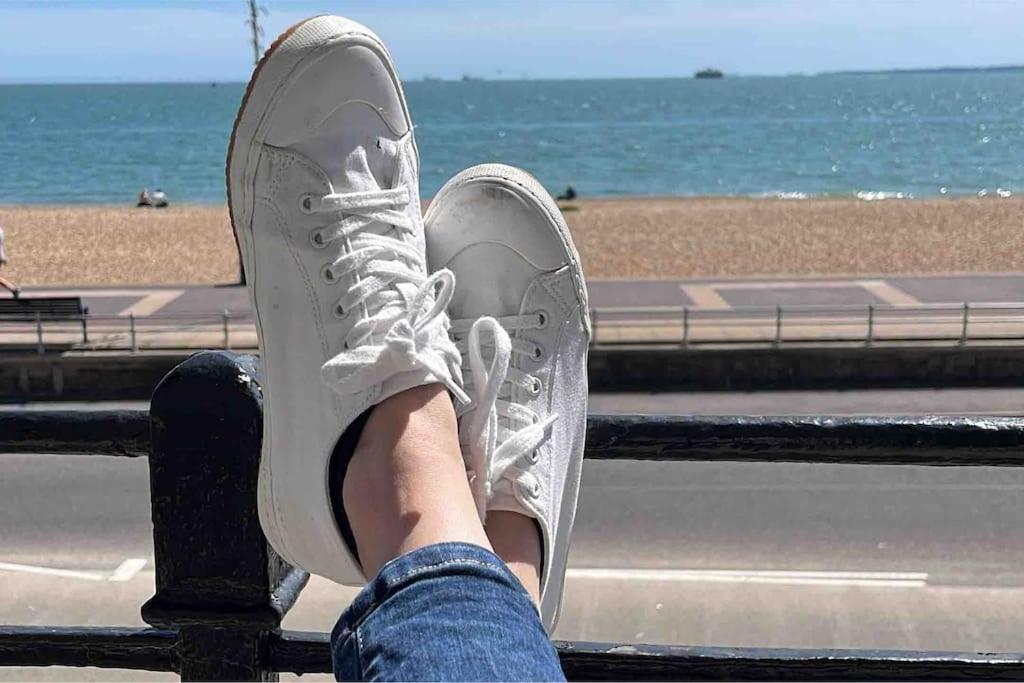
131 325
218 582
85 328
686 326
39 334
227 338
871 325
778 325
963 328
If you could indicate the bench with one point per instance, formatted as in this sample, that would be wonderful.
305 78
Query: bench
41 309
30 309
221 591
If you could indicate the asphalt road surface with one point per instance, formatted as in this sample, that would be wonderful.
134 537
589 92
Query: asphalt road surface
688 553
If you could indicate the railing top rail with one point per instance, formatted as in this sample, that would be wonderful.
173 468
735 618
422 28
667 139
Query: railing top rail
221 590
772 309
932 440
75 432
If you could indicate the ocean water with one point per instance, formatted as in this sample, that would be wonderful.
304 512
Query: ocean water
874 136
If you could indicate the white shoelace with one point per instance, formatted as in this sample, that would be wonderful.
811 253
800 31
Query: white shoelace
500 449
402 325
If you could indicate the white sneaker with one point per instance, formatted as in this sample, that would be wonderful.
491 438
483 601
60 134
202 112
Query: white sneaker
324 195
525 360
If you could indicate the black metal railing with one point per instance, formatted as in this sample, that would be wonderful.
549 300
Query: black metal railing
221 591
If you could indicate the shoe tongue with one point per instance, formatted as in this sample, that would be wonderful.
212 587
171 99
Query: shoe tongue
369 166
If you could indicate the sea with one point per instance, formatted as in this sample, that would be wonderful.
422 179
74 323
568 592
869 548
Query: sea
873 136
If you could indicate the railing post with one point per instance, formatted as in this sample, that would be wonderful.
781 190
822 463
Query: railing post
963 327
227 339
218 582
686 327
131 326
40 347
778 325
870 338
85 327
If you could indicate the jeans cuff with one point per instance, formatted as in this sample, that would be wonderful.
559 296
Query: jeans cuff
429 561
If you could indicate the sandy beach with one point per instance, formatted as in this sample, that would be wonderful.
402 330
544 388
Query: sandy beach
627 238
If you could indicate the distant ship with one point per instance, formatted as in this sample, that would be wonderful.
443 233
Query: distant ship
708 73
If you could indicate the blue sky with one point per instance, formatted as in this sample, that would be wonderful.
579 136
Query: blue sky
185 40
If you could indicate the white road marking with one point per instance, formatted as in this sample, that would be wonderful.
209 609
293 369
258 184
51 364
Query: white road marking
133 565
706 296
889 293
51 571
777 577
152 302
127 570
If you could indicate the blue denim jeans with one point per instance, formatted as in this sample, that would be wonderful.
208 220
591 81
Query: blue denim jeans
446 612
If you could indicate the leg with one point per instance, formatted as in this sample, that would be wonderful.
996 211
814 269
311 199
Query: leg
442 605
519 317
406 483
354 340
406 488
516 539
6 284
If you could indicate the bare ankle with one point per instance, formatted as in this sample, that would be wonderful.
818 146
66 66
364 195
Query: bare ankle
406 483
516 539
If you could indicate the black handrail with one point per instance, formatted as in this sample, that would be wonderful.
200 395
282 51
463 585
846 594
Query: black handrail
221 591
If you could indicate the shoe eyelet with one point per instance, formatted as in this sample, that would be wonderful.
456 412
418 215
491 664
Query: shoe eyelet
542 321
340 312
306 204
327 274
316 238
535 386
533 457
538 353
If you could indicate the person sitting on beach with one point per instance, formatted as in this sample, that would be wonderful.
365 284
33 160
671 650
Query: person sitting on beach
144 198
568 195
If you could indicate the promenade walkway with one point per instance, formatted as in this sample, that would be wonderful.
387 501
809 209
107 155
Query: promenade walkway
625 311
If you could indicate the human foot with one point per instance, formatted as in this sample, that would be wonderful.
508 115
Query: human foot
324 197
520 319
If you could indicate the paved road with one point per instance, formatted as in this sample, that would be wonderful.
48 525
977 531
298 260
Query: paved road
698 553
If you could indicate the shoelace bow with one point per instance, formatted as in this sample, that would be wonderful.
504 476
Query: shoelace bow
499 452
403 325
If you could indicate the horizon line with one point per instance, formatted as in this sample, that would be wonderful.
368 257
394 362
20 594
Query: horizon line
425 78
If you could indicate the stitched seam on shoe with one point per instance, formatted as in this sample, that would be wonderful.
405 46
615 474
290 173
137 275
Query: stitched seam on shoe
546 283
